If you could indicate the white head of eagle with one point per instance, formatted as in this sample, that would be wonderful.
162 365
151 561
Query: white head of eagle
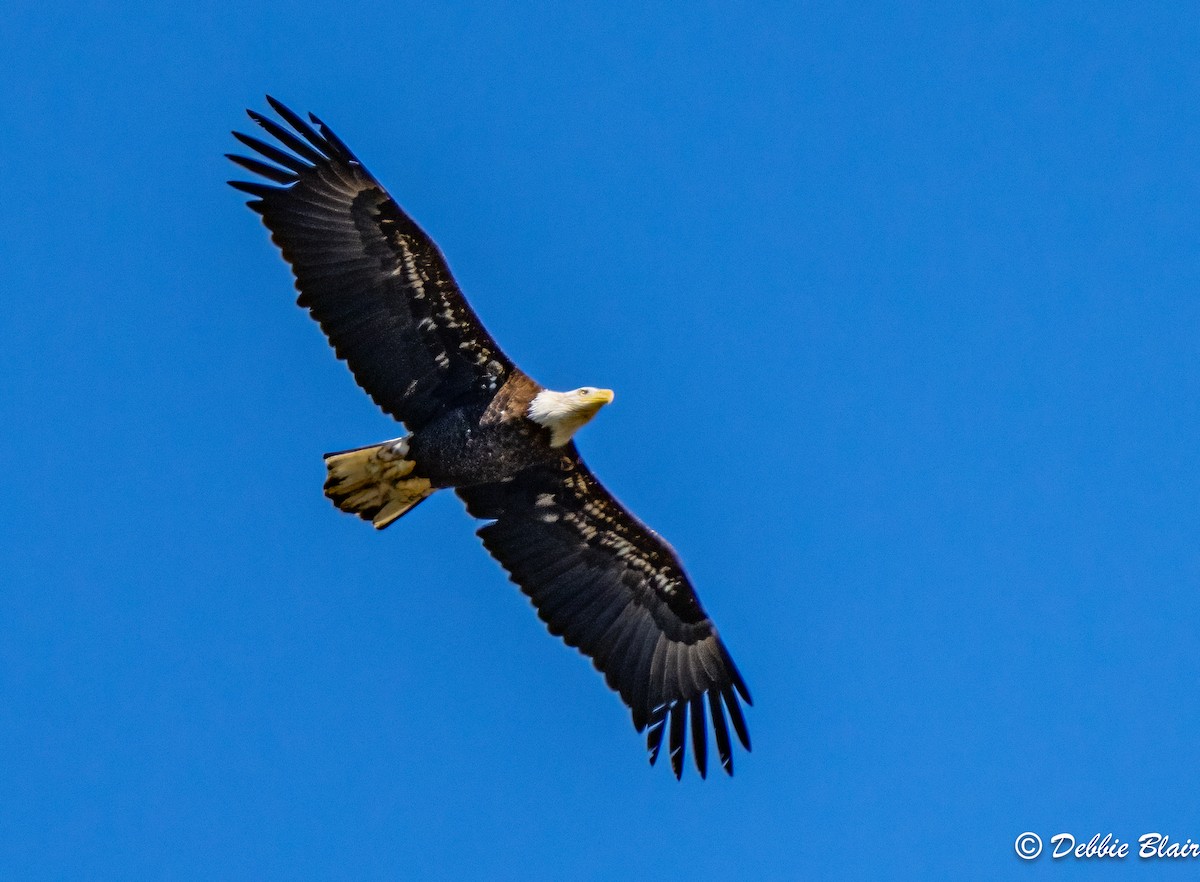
564 413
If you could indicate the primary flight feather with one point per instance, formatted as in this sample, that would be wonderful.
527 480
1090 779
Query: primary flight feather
384 296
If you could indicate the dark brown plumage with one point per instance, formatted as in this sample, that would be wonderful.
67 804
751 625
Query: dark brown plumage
384 296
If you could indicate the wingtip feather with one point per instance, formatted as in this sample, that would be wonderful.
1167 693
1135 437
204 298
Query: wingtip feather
735 717
721 733
678 744
699 735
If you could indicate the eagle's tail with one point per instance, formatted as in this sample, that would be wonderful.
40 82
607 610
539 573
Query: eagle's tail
375 482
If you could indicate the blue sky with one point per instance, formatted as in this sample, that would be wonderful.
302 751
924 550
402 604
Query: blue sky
899 302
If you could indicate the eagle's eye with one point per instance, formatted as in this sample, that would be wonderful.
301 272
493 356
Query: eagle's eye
585 391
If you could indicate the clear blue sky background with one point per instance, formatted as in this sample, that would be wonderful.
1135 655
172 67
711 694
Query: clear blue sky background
899 301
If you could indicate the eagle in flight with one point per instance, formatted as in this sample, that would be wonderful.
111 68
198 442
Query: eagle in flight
599 578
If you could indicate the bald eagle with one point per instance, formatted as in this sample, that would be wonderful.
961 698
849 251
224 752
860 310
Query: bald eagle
599 578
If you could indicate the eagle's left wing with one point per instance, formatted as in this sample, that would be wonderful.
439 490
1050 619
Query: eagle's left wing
610 586
375 281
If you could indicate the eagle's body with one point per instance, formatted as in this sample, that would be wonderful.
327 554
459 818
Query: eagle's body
486 441
477 424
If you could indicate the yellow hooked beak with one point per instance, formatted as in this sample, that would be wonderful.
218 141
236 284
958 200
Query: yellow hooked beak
601 397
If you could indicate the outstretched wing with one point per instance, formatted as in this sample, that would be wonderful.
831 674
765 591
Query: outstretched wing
374 280
610 586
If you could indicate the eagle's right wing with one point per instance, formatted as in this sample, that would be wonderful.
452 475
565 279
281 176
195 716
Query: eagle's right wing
375 281
609 585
